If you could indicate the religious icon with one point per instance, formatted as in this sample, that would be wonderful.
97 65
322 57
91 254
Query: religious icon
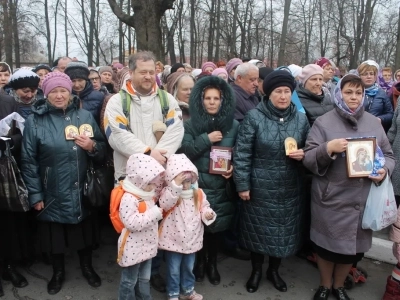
71 132
86 130
220 161
360 156
290 145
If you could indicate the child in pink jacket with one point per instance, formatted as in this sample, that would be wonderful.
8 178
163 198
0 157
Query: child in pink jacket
144 174
181 231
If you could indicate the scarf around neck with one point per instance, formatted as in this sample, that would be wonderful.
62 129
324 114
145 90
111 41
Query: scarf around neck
372 90
280 113
133 189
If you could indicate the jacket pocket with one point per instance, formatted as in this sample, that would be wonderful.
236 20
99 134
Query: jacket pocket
46 177
46 206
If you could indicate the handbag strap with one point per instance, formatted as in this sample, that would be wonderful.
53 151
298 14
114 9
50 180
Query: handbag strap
7 151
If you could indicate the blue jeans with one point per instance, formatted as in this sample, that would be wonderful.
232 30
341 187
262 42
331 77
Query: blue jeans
156 262
180 278
135 282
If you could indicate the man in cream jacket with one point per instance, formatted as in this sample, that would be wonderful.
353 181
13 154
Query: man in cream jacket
138 134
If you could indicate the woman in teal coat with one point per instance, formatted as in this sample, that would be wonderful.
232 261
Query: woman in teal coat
269 180
55 159
211 123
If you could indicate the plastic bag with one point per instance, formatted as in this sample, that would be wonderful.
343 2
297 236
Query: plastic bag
380 209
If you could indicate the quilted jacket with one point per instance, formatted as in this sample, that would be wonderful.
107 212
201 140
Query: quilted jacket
53 168
197 147
92 100
272 220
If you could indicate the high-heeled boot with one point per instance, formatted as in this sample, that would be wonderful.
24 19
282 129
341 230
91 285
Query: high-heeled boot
55 284
85 259
10 273
200 265
273 275
257 261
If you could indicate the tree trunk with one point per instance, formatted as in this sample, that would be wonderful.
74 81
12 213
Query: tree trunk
397 58
233 51
272 36
211 31
218 30
14 22
92 25
66 27
282 43
192 33
48 32
53 53
8 48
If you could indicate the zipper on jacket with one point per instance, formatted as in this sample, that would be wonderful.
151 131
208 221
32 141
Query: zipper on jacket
46 174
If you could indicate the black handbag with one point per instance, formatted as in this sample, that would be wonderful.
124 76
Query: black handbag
13 192
98 185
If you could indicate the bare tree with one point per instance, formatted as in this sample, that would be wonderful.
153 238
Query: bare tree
282 43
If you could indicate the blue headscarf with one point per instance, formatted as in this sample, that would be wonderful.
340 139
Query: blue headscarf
338 97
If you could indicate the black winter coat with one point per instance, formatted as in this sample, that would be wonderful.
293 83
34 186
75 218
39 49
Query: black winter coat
53 168
7 107
314 105
92 100
271 222
197 147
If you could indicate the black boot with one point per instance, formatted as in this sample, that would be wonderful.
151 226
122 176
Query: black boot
256 273
10 273
85 259
55 284
273 275
212 271
212 241
1 290
200 265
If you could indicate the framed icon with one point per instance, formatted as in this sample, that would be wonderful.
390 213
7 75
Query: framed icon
86 129
290 145
360 154
220 159
71 132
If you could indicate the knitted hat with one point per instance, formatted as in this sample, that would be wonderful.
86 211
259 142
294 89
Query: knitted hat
207 65
175 67
295 70
106 69
196 72
323 61
310 70
54 80
264 71
24 78
77 69
219 71
277 79
233 63
41 67
172 80
118 65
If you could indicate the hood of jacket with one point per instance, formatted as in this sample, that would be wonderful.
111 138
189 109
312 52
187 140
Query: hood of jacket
203 121
141 169
43 106
302 92
178 163
86 91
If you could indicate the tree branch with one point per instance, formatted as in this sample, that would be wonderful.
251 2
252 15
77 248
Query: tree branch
125 18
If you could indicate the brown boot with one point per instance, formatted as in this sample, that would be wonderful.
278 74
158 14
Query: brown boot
392 291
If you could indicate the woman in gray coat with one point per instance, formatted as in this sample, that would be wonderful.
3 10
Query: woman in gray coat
394 139
337 201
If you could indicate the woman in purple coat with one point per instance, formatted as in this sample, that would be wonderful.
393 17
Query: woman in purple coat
337 201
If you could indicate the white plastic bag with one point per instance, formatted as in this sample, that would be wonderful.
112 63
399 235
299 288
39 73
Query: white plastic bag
380 209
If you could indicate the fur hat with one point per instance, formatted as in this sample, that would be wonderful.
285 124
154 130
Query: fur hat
77 69
308 71
24 78
276 79
54 80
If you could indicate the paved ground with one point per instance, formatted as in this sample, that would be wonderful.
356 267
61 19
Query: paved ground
301 277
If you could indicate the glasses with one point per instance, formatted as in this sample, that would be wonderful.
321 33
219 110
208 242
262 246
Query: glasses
94 79
368 74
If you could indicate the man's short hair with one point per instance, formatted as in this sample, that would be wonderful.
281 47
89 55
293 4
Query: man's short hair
141 55
243 69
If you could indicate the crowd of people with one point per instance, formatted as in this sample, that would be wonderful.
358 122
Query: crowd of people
193 147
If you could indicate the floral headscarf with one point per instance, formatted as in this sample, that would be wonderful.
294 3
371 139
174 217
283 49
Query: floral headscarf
338 98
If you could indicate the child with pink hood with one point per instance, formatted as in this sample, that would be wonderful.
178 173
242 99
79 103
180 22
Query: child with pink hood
144 176
181 232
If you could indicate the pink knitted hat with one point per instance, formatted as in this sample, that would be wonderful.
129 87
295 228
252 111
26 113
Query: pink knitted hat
54 80
208 64
234 62
219 71
308 71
